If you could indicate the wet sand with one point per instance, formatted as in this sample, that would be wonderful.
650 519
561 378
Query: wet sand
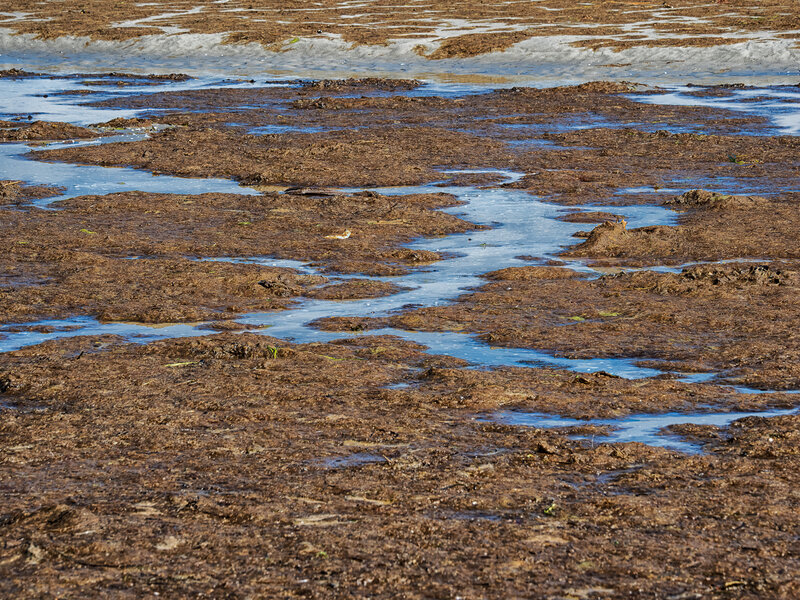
244 465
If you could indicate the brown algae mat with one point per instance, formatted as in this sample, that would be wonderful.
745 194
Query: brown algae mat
242 465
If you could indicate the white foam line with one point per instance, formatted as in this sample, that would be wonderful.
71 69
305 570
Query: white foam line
543 60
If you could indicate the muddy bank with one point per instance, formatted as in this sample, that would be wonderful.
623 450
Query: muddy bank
76 260
737 319
64 283
14 193
620 158
293 467
712 226
380 157
23 131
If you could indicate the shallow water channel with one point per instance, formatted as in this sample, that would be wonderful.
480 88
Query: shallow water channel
520 225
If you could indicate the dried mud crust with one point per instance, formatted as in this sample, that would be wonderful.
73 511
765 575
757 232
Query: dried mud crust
292 466
736 319
487 26
72 260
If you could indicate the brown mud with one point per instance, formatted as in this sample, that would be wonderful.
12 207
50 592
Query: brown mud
20 131
239 465
736 319
73 260
380 157
393 139
276 25
15 193
712 226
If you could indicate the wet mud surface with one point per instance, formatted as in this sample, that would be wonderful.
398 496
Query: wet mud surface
132 257
291 466
11 131
238 464
734 319
460 28
14 193
712 226
559 137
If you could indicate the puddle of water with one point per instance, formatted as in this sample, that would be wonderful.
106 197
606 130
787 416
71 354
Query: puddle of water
644 428
41 97
476 515
269 129
80 180
78 326
353 460
403 385
781 106
265 261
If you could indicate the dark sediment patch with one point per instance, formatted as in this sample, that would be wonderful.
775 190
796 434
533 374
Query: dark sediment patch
354 289
211 454
17 193
590 216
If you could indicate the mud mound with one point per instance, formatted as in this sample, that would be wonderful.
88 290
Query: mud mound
603 238
355 289
17 74
758 437
531 274
589 216
718 281
123 123
413 256
605 87
45 130
474 44
713 201
16 192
